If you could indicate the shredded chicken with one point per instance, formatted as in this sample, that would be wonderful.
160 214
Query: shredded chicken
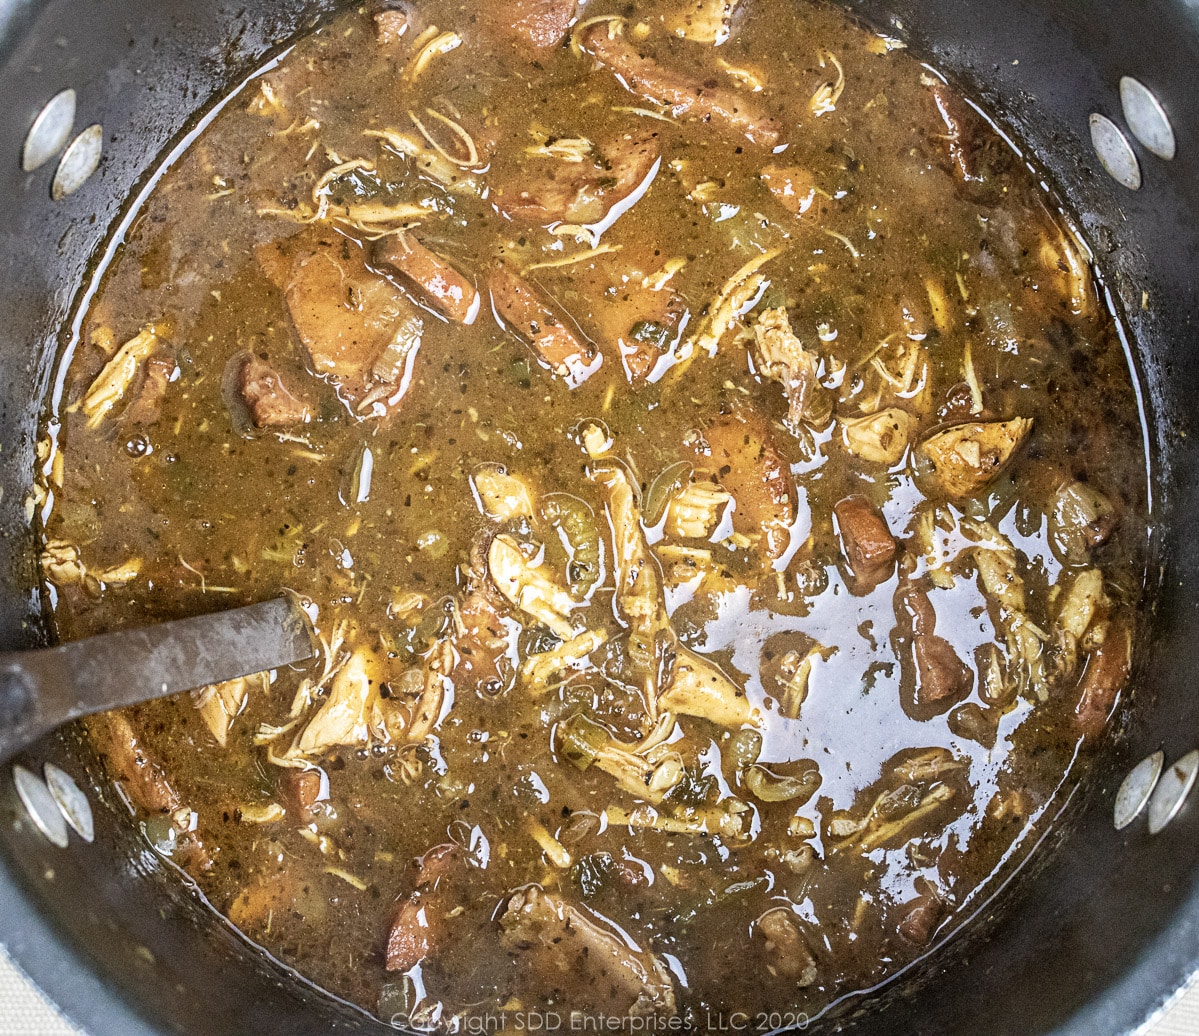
998 572
220 703
966 457
700 688
782 358
639 596
501 496
695 511
114 380
558 939
540 670
527 585
881 438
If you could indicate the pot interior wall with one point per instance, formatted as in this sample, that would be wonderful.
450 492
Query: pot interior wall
1097 934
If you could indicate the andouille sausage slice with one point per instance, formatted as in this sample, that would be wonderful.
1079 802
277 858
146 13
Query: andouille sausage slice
430 277
683 95
270 402
418 927
526 310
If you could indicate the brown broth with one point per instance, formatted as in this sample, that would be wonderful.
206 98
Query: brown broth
925 237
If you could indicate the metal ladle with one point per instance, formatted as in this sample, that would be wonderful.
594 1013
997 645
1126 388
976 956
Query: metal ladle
45 688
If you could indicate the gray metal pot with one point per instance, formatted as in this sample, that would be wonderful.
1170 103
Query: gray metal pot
1101 928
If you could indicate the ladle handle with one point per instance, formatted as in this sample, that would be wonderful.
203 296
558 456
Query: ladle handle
42 689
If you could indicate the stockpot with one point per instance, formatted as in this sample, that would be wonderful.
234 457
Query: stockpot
1093 936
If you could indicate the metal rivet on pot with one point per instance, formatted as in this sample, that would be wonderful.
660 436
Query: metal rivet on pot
1114 151
40 806
1146 118
79 162
50 130
1136 789
73 803
1172 790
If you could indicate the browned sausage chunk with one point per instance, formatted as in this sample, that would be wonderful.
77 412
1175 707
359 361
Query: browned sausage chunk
740 452
146 408
684 96
1106 673
579 192
920 919
787 952
939 679
127 761
433 280
942 679
866 541
419 926
390 25
270 403
538 23
531 316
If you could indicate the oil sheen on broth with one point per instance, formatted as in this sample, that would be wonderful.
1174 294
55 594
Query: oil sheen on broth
714 478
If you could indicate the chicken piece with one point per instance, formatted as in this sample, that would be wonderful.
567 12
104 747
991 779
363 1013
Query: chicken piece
433 687
269 401
738 449
695 511
501 496
1080 519
220 703
558 940
483 637
114 380
390 23
792 187
274 895
735 297
1106 674
579 192
881 438
62 564
344 718
126 760
648 770
640 599
420 924
700 688
526 585
146 407
684 96
531 316
541 668
866 541
787 952
433 280
357 712
536 24
358 328
303 790
966 457
998 572
703 21
782 358
1077 607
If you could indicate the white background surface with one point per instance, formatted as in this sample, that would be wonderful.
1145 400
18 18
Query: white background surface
24 1012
